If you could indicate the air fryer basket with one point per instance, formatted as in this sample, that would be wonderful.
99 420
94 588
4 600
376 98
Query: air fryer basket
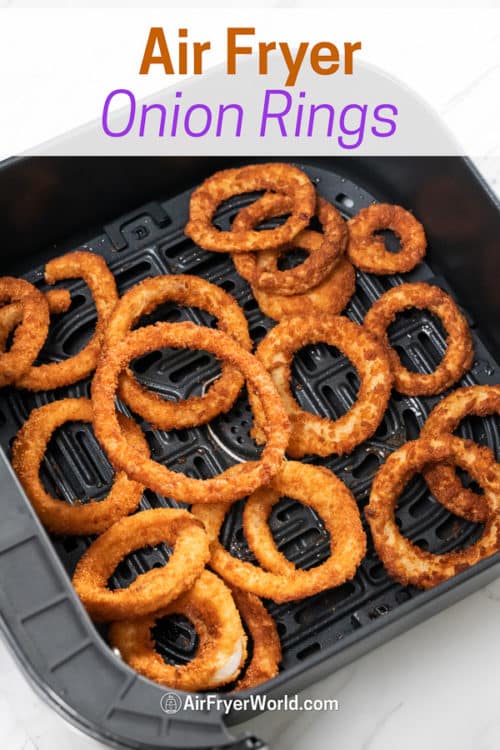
56 643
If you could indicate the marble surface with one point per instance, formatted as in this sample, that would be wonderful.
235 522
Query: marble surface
435 686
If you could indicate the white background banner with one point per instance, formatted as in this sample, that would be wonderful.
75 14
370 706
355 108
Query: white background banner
58 67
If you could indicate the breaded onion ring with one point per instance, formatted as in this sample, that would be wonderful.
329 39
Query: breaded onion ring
330 297
221 651
404 561
311 433
30 335
322 255
232 484
58 516
459 352
141 300
368 252
59 301
266 651
314 486
152 590
279 178
94 271
480 400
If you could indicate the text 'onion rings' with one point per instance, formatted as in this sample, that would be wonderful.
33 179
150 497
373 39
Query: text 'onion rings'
151 590
367 251
234 483
58 516
311 485
221 650
276 177
30 334
459 351
321 257
311 433
404 561
94 271
443 482
141 300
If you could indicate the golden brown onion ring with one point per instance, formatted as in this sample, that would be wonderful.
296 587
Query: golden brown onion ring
266 651
480 400
314 486
232 484
141 300
157 587
30 335
94 271
279 178
310 432
404 561
59 301
221 651
330 297
368 252
322 256
459 352
311 485
58 516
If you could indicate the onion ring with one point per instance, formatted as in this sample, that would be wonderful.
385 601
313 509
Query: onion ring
221 639
30 335
311 433
266 652
368 252
459 352
480 400
58 300
142 299
314 486
404 561
151 590
58 516
322 255
330 296
279 178
232 484
94 271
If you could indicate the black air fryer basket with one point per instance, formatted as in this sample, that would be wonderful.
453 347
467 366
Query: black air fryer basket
132 212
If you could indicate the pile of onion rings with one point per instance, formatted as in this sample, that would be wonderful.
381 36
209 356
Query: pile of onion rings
324 283
321 258
224 606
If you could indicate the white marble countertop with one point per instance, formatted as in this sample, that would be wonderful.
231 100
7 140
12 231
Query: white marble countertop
435 686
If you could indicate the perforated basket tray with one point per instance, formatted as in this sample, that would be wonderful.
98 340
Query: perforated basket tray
67 657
